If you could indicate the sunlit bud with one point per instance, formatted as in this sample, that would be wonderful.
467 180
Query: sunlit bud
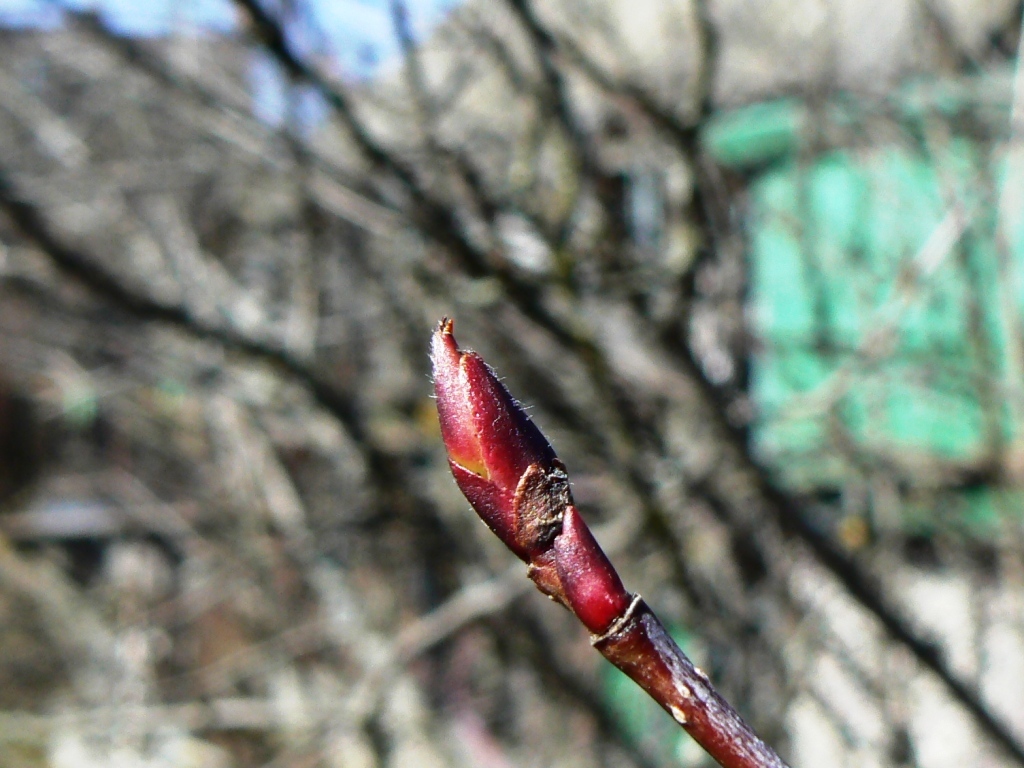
510 474
500 460
590 586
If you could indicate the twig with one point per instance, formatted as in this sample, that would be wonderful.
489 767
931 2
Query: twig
511 476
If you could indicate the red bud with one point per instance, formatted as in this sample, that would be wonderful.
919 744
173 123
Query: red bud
492 444
511 476
590 584
453 405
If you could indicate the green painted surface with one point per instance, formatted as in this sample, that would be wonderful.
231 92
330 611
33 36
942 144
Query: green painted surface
756 134
870 349
855 319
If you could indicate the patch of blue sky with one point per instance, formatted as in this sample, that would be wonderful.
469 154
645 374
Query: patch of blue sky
129 17
29 13
276 101
358 35
361 33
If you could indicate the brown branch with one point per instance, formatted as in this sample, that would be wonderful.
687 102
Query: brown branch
432 216
638 644
555 97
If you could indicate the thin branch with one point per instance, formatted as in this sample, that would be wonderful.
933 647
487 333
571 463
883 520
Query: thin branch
511 476
432 216
556 95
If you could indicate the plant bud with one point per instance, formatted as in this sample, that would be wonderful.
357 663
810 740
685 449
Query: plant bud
590 585
500 460
511 476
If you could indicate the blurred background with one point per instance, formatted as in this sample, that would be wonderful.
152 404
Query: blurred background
757 269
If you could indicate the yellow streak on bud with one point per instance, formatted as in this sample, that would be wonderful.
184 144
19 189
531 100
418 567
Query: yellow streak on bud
476 467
